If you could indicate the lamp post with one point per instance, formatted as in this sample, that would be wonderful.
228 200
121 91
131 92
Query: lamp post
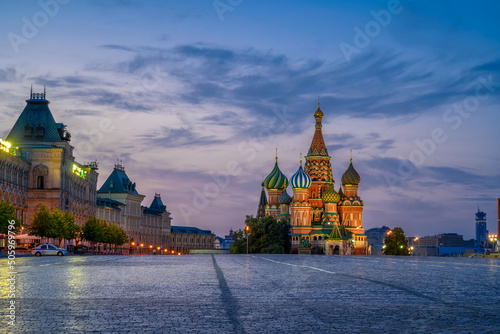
247 231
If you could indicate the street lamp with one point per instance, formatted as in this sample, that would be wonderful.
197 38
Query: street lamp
247 231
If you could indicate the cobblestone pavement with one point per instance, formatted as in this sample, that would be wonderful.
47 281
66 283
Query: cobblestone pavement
252 294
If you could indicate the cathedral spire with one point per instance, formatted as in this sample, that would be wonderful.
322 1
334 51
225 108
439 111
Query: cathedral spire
318 146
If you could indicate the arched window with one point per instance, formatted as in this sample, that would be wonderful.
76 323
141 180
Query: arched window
40 182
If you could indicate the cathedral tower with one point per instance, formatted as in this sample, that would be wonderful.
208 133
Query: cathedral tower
351 205
261 211
275 183
319 169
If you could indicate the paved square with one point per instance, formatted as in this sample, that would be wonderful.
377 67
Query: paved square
252 294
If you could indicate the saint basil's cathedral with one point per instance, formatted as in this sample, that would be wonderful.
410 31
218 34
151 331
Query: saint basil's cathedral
319 215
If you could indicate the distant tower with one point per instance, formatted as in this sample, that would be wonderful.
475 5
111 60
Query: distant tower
275 183
351 206
285 201
481 231
319 169
301 207
261 211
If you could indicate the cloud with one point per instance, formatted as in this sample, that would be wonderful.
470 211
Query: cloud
493 66
8 75
169 138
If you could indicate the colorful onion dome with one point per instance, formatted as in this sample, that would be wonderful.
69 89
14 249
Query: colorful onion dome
300 179
351 176
285 198
330 195
276 179
318 113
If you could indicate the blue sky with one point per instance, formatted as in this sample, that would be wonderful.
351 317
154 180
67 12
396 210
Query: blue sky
195 96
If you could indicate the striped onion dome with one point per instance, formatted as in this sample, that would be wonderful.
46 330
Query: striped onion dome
276 179
330 195
351 176
300 179
285 198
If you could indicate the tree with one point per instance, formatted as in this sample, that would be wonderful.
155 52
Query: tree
92 230
65 226
116 235
8 214
395 243
266 236
43 224
71 229
239 243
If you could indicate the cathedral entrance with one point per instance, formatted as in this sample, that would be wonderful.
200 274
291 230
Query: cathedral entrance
336 250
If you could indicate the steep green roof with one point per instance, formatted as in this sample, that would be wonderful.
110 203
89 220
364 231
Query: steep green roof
345 234
118 182
263 198
36 124
156 208
336 235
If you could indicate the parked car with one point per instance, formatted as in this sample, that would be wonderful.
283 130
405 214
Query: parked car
48 249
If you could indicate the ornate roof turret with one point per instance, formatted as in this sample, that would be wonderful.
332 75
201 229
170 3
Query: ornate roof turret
263 198
318 113
351 176
300 179
118 182
330 195
36 123
276 179
318 146
285 199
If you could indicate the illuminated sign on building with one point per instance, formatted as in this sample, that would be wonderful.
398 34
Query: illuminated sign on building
79 171
5 146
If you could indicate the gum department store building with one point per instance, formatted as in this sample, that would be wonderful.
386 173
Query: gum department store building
319 215
37 166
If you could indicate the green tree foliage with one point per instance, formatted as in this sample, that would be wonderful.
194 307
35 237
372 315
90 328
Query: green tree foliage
115 235
71 229
56 225
240 243
93 230
43 223
64 226
266 236
395 243
97 230
8 214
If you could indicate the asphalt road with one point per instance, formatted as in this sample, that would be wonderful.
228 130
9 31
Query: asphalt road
251 294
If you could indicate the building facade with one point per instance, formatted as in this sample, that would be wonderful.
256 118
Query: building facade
37 166
481 228
119 202
320 216
446 244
